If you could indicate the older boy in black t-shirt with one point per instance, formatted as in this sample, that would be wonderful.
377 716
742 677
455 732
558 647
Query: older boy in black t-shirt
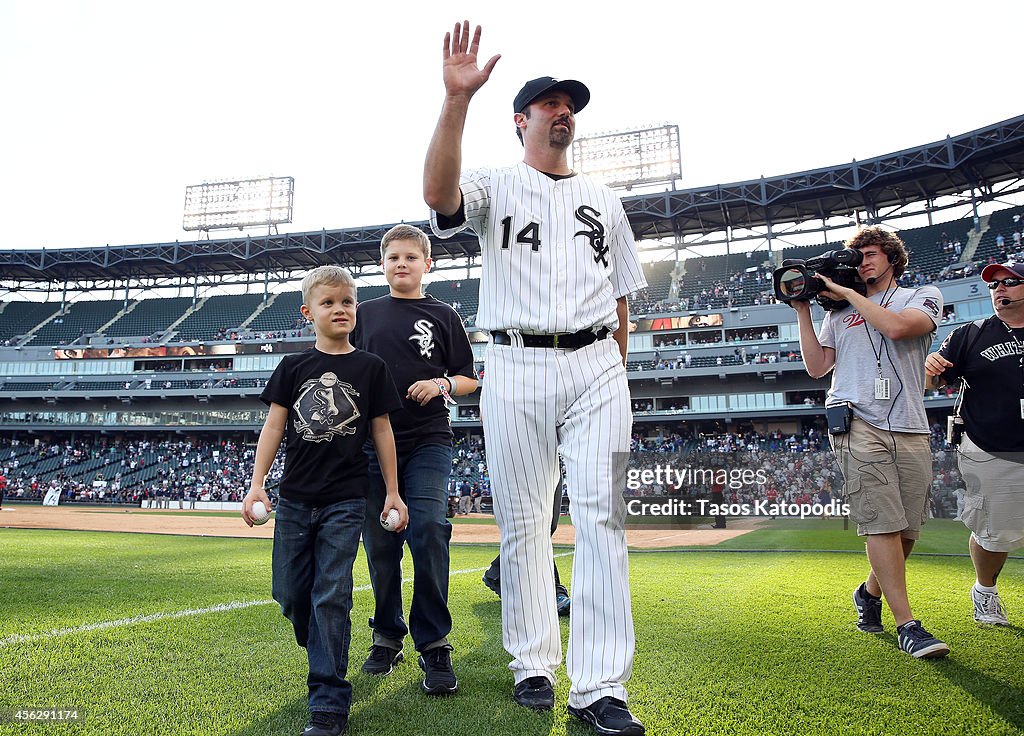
426 347
326 402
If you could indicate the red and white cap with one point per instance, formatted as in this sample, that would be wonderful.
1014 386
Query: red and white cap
994 270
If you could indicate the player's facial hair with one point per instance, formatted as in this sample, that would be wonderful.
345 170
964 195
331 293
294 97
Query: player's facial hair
559 137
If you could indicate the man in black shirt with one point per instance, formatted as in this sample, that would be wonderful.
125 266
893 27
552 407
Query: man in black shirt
987 359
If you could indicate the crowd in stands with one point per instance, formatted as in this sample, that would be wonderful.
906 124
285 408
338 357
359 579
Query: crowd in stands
176 473
739 468
131 471
700 292
798 468
805 398
221 334
304 331
952 249
469 486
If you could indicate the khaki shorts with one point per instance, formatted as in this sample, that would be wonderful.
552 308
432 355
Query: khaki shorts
888 475
994 504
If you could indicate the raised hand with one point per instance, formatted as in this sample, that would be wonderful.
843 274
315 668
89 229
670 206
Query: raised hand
462 77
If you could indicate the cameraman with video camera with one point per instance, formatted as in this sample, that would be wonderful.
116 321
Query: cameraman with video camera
986 359
874 338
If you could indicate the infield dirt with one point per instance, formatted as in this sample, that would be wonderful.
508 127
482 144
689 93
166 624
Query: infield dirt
210 525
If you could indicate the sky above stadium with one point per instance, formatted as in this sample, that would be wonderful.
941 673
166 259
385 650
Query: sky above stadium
113 108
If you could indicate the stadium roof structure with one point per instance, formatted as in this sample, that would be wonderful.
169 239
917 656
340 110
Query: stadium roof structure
982 165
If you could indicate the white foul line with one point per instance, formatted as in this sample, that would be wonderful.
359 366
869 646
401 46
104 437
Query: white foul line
233 606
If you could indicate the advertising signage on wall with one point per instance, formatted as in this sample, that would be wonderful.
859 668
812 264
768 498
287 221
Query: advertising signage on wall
183 351
679 323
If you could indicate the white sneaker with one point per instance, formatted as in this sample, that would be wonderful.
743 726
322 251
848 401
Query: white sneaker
988 608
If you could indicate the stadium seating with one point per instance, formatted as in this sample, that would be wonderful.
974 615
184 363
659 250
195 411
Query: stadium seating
925 244
659 279
149 316
465 293
17 318
34 386
999 223
79 318
282 315
726 274
803 252
218 313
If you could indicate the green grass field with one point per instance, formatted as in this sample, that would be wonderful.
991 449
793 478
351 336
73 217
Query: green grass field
728 642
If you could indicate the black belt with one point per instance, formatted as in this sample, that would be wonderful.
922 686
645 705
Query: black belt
562 341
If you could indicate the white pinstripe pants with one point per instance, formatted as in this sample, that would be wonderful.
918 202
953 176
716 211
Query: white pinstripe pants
535 402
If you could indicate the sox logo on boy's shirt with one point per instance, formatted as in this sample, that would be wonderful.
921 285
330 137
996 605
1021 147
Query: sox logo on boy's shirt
424 337
556 254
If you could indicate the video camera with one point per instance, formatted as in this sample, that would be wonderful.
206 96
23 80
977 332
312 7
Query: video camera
797 280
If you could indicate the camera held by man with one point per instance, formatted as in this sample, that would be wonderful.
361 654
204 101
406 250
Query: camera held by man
797 279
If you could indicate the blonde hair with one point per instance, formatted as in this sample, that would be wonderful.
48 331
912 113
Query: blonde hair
325 275
405 232
888 242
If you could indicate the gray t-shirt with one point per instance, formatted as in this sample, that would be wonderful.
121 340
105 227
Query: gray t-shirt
859 347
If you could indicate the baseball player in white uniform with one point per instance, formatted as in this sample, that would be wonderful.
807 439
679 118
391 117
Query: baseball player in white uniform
558 262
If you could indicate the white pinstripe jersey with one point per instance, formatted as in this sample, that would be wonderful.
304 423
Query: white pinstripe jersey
556 253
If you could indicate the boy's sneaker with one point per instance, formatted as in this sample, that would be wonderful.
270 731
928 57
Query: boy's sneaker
439 677
869 611
988 608
325 724
382 660
918 643
563 603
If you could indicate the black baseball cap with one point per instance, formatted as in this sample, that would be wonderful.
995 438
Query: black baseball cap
536 87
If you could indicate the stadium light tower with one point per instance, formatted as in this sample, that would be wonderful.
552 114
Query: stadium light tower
631 158
241 203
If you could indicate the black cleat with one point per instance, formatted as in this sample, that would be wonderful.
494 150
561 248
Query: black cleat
535 693
493 583
609 717
563 602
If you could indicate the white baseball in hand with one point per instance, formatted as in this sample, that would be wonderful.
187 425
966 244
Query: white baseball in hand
259 513
390 522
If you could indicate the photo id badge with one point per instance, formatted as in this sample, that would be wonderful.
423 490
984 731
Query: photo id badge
882 388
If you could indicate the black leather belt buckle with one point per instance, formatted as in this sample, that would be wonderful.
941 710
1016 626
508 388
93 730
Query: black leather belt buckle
562 341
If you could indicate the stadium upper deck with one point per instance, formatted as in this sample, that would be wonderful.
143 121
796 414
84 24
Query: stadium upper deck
977 166
197 363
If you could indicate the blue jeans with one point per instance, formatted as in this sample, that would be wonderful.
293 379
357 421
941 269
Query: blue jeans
314 550
423 485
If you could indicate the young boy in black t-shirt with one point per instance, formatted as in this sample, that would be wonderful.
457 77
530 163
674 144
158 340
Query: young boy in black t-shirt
325 402
425 345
